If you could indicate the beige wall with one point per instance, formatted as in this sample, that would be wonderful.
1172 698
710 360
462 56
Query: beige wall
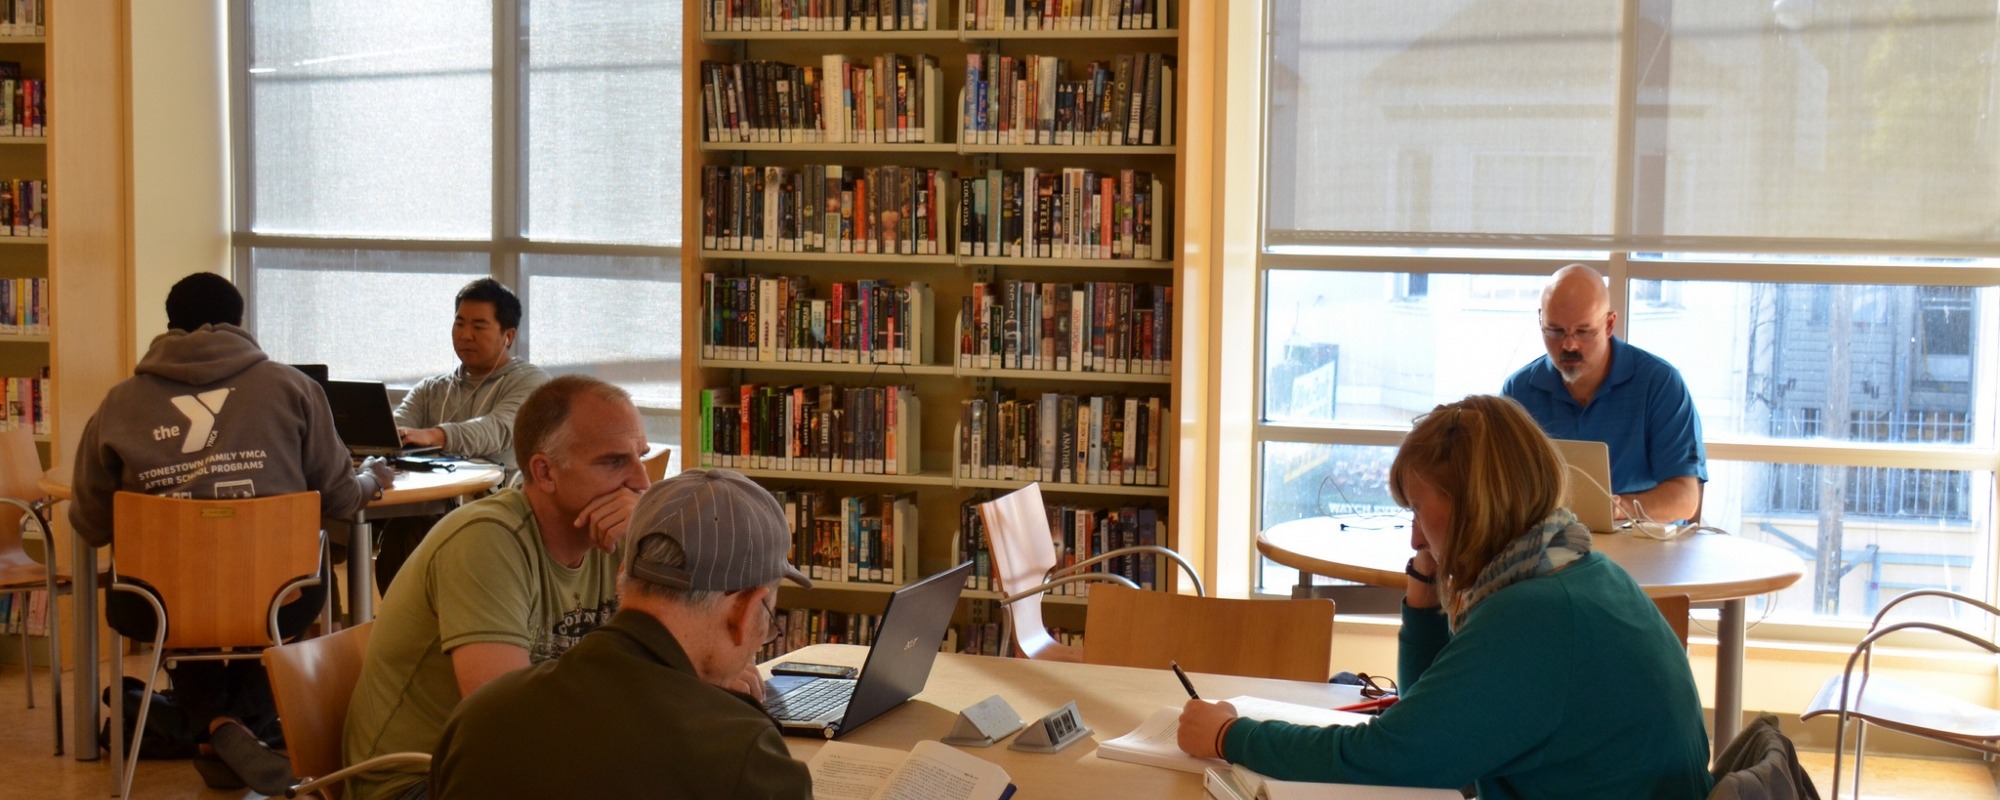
180 151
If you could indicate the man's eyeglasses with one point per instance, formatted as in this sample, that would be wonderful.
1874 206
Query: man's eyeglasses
1581 335
771 611
1375 686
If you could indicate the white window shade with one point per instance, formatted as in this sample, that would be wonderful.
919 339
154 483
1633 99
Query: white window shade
372 118
617 318
603 121
374 315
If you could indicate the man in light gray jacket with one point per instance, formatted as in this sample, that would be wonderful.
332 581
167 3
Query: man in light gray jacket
468 412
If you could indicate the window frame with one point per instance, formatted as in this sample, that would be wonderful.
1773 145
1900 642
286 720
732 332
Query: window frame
1624 257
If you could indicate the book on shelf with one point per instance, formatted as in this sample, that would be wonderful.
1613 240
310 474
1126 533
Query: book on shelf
817 429
801 627
1040 100
24 306
870 538
932 770
23 18
888 98
24 206
976 638
1050 15
823 208
1102 440
1237 782
1096 326
825 15
1079 533
778 318
1069 213
22 100
25 612
27 404
1154 742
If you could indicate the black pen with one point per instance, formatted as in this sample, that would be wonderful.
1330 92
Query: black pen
1184 681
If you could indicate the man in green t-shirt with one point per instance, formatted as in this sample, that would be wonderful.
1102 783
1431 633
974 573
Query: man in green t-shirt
504 582
662 701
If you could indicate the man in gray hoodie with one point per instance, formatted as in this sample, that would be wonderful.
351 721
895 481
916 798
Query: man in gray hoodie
468 412
207 415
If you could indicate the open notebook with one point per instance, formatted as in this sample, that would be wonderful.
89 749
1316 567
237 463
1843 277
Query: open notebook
1153 744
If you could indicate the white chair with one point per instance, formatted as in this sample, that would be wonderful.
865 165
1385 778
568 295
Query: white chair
1024 564
1907 708
22 505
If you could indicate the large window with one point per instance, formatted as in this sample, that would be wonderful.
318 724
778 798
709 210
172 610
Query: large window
1798 204
388 151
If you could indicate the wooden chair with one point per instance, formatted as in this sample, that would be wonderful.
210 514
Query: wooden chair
1024 565
220 568
22 504
1898 706
313 681
1674 607
1289 639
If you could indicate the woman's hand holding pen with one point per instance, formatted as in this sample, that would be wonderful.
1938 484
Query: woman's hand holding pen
1202 724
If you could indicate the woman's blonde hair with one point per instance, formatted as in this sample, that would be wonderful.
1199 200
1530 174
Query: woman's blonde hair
1499 470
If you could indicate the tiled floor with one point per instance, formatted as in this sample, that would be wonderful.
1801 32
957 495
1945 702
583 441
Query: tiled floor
29 770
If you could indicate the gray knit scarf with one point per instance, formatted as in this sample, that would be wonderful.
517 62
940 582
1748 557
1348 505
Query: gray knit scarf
1555 543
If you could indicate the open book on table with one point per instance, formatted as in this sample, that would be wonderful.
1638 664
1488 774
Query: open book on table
1153 742
929 771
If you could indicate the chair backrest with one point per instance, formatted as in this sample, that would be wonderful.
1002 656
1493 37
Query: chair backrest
20 468
313 680
1674 607
656 461
1289 639
1024 550
218 565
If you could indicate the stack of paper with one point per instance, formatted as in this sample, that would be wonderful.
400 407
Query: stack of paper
1153 743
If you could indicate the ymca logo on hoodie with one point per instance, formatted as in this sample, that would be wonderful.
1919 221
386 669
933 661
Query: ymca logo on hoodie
200 410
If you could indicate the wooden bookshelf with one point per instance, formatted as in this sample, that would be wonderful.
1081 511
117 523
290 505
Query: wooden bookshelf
944 383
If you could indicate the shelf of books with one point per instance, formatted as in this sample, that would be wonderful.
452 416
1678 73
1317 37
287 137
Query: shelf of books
936 262
24 268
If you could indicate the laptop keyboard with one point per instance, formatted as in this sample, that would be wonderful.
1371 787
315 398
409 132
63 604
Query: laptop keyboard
811 700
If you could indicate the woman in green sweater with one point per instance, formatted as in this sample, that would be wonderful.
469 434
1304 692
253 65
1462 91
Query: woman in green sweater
1531 667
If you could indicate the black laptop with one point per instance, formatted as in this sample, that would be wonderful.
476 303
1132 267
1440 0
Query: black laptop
906 645
362 416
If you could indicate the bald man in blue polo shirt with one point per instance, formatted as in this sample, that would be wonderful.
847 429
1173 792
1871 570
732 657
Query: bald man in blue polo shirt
1593 385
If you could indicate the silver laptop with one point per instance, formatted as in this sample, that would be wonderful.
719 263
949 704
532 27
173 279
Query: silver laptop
1587 483
899 662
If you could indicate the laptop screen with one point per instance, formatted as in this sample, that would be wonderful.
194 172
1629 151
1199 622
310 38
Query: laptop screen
362 416
906 646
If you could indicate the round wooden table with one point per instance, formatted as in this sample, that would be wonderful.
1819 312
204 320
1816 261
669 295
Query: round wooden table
1707 567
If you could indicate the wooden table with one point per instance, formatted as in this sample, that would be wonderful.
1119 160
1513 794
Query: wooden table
414 493
1706 567
1111 700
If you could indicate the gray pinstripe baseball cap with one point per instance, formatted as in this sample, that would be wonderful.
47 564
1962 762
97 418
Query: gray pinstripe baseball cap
732 531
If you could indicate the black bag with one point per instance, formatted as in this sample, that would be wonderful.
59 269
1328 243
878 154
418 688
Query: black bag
169 733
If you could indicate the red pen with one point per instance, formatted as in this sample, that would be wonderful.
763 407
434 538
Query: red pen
1366 706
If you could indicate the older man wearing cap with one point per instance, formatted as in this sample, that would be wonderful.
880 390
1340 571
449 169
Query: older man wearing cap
662 701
